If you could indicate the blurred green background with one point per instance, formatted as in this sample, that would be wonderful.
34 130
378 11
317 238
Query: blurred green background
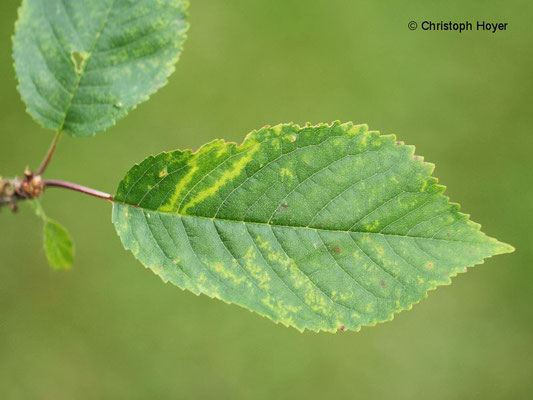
110 329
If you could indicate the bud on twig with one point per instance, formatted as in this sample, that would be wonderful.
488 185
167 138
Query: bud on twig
14 190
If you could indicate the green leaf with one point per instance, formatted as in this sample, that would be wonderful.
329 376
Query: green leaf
58 245
322 227
84 64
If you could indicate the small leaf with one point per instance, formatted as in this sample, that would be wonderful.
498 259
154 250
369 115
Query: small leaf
326 227
58 246
83 65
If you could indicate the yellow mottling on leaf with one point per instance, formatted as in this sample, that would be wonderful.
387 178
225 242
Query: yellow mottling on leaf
281 309
231 173
171 204
223 150
228 274
255 271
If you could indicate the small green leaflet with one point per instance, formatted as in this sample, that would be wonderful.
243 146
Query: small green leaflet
323 227
58 245
84 64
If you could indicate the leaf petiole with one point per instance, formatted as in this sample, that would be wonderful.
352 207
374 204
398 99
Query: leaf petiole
77 188
49 154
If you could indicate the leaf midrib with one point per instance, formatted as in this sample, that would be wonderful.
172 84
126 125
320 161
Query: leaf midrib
84 65
292 226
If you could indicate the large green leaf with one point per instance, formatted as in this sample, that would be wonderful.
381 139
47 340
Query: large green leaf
323 227
84 64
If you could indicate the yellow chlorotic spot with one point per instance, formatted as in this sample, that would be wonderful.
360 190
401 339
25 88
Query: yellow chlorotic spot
176 261
346 296
372 226
429 265
286 174
356 255
337 142
277 129
356 129
79 59
163 173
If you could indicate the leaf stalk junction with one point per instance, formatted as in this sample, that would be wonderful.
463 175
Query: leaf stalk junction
32 185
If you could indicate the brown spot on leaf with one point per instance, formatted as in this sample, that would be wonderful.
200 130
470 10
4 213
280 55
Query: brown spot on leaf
337 250
383 283
283 207
341 328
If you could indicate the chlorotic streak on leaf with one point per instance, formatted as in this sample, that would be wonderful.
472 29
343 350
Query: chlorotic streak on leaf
327 227
83 65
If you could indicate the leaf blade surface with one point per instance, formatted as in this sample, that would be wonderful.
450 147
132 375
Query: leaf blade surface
322 227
